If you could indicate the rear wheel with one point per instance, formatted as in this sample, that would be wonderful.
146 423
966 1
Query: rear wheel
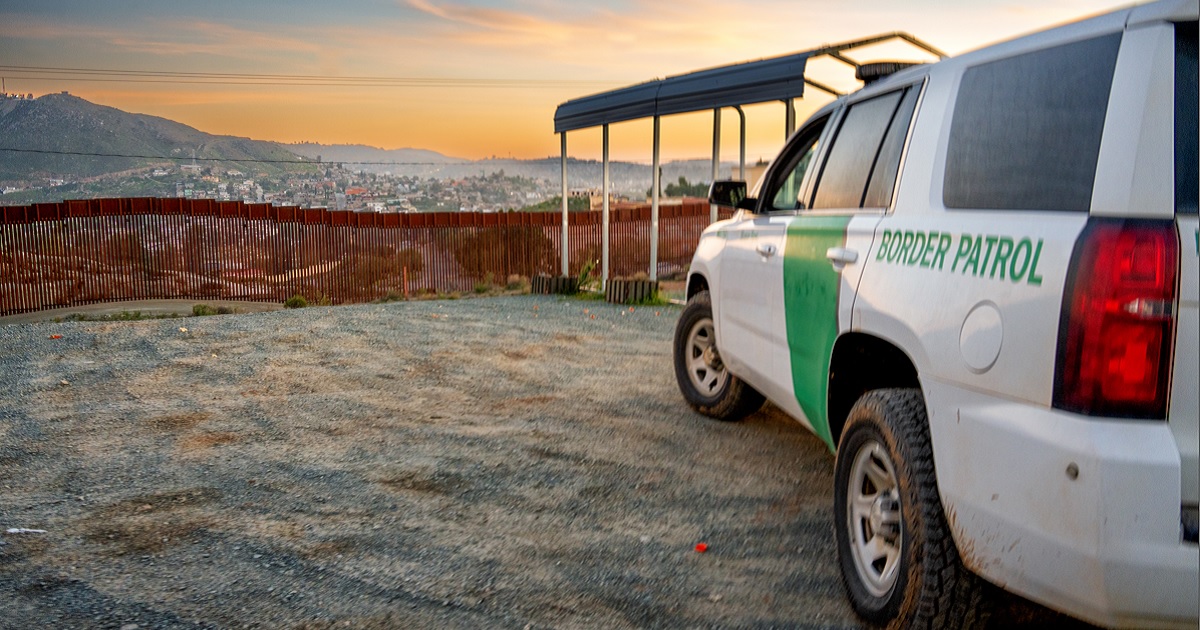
708 386
898 559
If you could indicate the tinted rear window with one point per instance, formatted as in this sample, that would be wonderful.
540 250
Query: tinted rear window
1026 130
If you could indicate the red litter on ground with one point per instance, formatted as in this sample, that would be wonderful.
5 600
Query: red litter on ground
56 336
701 547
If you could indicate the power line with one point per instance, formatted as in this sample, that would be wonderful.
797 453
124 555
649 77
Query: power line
311 80
399 84
208 159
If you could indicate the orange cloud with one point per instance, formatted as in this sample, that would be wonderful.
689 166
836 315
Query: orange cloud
488 19
600 38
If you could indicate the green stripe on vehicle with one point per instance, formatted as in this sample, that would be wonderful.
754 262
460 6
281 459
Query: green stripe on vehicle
810 299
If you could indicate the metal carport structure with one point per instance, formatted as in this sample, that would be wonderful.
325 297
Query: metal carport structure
765 80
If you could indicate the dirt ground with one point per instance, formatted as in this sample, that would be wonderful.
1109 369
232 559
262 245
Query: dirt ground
508 462
516 462
148 308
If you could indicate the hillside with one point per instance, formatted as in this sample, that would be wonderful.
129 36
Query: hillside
61 122
627 177
364 153
65 123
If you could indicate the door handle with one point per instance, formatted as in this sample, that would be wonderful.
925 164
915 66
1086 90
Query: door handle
840 257
766 250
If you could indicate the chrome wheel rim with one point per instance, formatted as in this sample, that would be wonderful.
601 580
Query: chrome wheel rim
873 517
704 367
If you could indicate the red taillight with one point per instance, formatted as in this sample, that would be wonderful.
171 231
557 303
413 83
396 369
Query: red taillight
1118 320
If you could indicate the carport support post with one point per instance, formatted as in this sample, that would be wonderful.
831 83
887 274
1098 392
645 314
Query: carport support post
742 152
716 161
565 262
656 179
789 118
604 214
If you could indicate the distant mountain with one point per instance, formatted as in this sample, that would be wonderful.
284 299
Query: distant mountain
65 123
627 177
342 153
71 125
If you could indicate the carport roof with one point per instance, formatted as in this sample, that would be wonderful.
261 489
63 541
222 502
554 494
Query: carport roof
772 79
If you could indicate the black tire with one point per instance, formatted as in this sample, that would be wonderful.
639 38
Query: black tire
707 385
898 559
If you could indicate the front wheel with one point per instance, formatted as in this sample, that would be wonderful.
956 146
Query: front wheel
707 385
898 559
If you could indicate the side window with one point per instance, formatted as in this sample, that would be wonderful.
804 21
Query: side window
887 166
787 190
1187 180
1026 130
860 142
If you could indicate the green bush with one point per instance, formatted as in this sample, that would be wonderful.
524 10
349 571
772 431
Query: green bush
658 299
517 282
486 285
296 301
202 310
588 282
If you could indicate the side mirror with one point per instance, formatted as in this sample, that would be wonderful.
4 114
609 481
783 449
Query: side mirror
727 192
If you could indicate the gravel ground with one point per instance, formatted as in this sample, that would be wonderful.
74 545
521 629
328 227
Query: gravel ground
513 462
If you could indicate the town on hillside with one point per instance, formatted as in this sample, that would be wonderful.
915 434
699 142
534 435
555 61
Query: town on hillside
338 188
60 147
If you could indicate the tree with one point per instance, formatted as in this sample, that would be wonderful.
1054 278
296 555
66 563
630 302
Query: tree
683 189
554 204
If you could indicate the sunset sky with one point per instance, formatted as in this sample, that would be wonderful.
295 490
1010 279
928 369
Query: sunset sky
468 78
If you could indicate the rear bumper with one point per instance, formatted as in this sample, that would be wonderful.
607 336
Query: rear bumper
1082 515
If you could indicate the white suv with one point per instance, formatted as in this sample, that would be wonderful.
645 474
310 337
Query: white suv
976 281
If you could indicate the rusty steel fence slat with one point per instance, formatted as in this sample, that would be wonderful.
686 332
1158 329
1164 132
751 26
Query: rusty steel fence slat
110 250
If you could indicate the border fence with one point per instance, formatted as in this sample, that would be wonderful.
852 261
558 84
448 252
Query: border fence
108 250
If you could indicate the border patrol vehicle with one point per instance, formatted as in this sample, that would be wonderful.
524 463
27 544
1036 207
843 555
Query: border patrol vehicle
976 282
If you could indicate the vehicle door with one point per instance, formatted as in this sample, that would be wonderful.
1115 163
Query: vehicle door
826 241
750 293
1184 406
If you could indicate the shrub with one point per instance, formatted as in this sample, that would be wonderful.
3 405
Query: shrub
200 310
658 299
296 301
517 282
486 285
588 282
